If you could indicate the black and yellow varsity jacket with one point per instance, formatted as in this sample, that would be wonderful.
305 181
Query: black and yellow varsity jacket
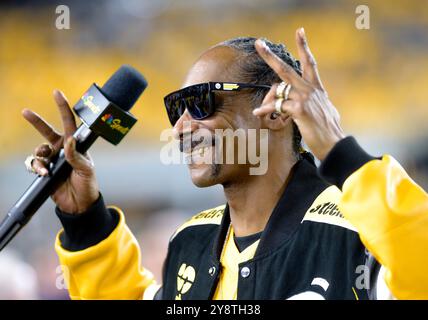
307 250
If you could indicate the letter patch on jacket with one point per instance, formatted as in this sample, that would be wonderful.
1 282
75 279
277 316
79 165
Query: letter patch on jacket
325 209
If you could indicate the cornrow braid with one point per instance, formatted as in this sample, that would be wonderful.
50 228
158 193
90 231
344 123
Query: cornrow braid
255 70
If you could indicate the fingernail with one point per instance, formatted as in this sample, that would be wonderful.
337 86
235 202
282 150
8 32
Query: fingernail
58 94
256 111
263 44
302 32
44 172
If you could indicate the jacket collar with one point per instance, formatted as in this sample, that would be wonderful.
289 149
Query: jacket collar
303 187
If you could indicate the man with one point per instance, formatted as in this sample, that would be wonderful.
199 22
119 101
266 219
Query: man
281 235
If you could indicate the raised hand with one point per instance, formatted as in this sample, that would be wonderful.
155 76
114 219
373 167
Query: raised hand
308 103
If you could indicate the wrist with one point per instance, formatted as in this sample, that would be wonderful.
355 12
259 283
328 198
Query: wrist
334 139
344 158
89 228
76 205
86 203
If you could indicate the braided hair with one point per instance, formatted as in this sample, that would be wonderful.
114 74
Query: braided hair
255 70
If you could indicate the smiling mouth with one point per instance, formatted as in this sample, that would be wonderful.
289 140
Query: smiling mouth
198 154
197 151
201 145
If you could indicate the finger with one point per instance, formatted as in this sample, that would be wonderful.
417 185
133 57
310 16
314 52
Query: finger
42 126
287 107
307 59
67 115
265 109
44 150
89 158
270 100
291 108
80 164
271 95
39 167
284 71
43 153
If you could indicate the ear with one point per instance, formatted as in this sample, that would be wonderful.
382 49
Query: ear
275 121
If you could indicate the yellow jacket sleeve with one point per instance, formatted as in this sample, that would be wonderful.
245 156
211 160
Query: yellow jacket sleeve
390 212
110 269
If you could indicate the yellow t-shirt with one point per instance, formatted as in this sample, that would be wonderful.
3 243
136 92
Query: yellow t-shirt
227 287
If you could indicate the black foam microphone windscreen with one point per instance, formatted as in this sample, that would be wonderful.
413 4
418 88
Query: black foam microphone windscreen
124 87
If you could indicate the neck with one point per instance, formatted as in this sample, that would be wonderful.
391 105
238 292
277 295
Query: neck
252 201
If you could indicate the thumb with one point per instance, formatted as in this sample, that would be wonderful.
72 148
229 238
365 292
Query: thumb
80 164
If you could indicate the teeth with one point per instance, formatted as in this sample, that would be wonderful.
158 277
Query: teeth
199 151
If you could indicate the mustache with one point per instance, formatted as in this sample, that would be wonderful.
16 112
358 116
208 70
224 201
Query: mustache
189 142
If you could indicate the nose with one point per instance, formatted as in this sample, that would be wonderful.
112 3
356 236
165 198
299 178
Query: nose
184 125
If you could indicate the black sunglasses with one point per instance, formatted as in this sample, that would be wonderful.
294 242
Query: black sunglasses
199 99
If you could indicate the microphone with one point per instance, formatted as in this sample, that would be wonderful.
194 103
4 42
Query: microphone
104 112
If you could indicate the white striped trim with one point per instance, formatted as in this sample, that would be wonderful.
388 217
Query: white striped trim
320 282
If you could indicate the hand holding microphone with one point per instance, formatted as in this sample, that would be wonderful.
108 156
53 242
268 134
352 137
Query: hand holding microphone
65 171
80 190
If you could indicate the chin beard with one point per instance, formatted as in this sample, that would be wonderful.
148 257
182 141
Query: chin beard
215 170
213 178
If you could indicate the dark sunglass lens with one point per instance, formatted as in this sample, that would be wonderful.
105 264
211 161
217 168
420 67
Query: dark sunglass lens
196 99
199 103
175 107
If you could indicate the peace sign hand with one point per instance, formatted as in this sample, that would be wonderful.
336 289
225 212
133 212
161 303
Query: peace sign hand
80 190
308 103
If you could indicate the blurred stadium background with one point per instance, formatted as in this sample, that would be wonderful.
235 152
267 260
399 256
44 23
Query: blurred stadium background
377 78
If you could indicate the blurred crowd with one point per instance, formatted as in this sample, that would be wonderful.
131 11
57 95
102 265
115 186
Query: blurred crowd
377 79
